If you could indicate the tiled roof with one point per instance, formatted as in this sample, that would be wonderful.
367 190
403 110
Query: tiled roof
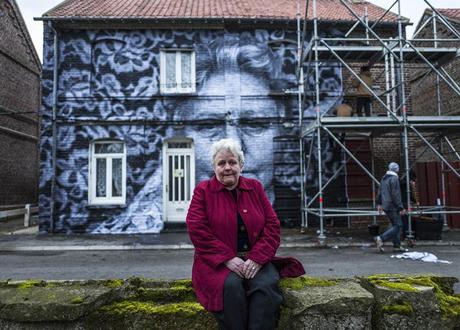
450 12
329 10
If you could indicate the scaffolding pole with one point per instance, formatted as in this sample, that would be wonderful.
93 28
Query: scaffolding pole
395 52
404 113
321 236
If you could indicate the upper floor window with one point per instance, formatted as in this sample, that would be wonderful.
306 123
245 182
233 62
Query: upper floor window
177 71
107 176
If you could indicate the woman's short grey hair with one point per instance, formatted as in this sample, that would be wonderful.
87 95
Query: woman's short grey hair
227 144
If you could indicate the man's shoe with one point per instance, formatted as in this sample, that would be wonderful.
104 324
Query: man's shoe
400 249
379 243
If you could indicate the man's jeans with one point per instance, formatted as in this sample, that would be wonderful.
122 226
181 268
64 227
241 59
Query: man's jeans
395 231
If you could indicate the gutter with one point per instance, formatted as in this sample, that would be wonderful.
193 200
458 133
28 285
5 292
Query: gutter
202 20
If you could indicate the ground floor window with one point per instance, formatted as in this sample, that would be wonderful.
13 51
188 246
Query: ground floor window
107 174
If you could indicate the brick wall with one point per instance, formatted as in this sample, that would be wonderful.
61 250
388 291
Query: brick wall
425 96
19 92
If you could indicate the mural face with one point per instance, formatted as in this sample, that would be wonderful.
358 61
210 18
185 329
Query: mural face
109 89
243 119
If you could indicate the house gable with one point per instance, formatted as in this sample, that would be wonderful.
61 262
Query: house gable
15 41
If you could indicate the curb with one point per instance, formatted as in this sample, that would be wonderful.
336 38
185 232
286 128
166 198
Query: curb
135 247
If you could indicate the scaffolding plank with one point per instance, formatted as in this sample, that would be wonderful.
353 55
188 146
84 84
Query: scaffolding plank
365 52
385 124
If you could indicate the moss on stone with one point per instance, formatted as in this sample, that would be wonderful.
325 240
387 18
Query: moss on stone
30 284
449 304
77 300
166 295
113 284
51 297
377 276
136 281
182 284
397 286
187 309
403 308
305 281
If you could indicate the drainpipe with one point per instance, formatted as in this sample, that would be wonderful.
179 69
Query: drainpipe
54 128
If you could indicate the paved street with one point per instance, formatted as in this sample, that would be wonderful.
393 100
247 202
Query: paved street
175 264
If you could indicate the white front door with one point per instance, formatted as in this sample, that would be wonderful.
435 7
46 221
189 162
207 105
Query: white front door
178 178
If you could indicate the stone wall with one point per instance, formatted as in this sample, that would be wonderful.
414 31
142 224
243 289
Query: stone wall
375 302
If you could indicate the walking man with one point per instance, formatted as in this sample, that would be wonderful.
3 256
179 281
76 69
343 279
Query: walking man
389 200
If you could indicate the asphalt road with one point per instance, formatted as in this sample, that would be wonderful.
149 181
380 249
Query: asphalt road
176 264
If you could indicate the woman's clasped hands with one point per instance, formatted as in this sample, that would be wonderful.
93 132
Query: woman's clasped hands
245 269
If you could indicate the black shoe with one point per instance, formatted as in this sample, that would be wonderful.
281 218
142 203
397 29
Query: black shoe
400 249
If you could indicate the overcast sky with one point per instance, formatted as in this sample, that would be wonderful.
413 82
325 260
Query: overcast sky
412 9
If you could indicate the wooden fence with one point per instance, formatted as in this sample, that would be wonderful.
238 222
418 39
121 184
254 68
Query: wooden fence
430 189
28 210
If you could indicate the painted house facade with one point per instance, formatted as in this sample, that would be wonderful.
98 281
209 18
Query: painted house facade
20 71
135 93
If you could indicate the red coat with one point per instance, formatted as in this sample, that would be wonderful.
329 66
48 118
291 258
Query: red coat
212 226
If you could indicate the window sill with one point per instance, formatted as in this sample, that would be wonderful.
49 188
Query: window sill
179 93
106 206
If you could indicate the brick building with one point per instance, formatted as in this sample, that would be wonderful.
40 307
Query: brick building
19 103
434 96
144 88
425 98
428 99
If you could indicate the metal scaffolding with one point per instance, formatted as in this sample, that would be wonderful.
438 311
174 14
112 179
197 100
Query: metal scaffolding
398 56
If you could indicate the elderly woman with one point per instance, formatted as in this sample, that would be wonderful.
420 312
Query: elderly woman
236 233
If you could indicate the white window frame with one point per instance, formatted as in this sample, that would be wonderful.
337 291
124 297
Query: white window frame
109 199
178 89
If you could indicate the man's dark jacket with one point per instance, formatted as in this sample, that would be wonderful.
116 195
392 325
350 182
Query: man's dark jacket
389 196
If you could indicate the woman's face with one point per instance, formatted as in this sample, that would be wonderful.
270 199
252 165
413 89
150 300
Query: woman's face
227 168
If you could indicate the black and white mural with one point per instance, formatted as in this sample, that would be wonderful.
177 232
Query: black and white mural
109 89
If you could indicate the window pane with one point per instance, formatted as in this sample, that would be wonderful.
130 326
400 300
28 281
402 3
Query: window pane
179 144
170 69
176 179
116 177
170 172
182 181
101 174
109 148
186 69
187 177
